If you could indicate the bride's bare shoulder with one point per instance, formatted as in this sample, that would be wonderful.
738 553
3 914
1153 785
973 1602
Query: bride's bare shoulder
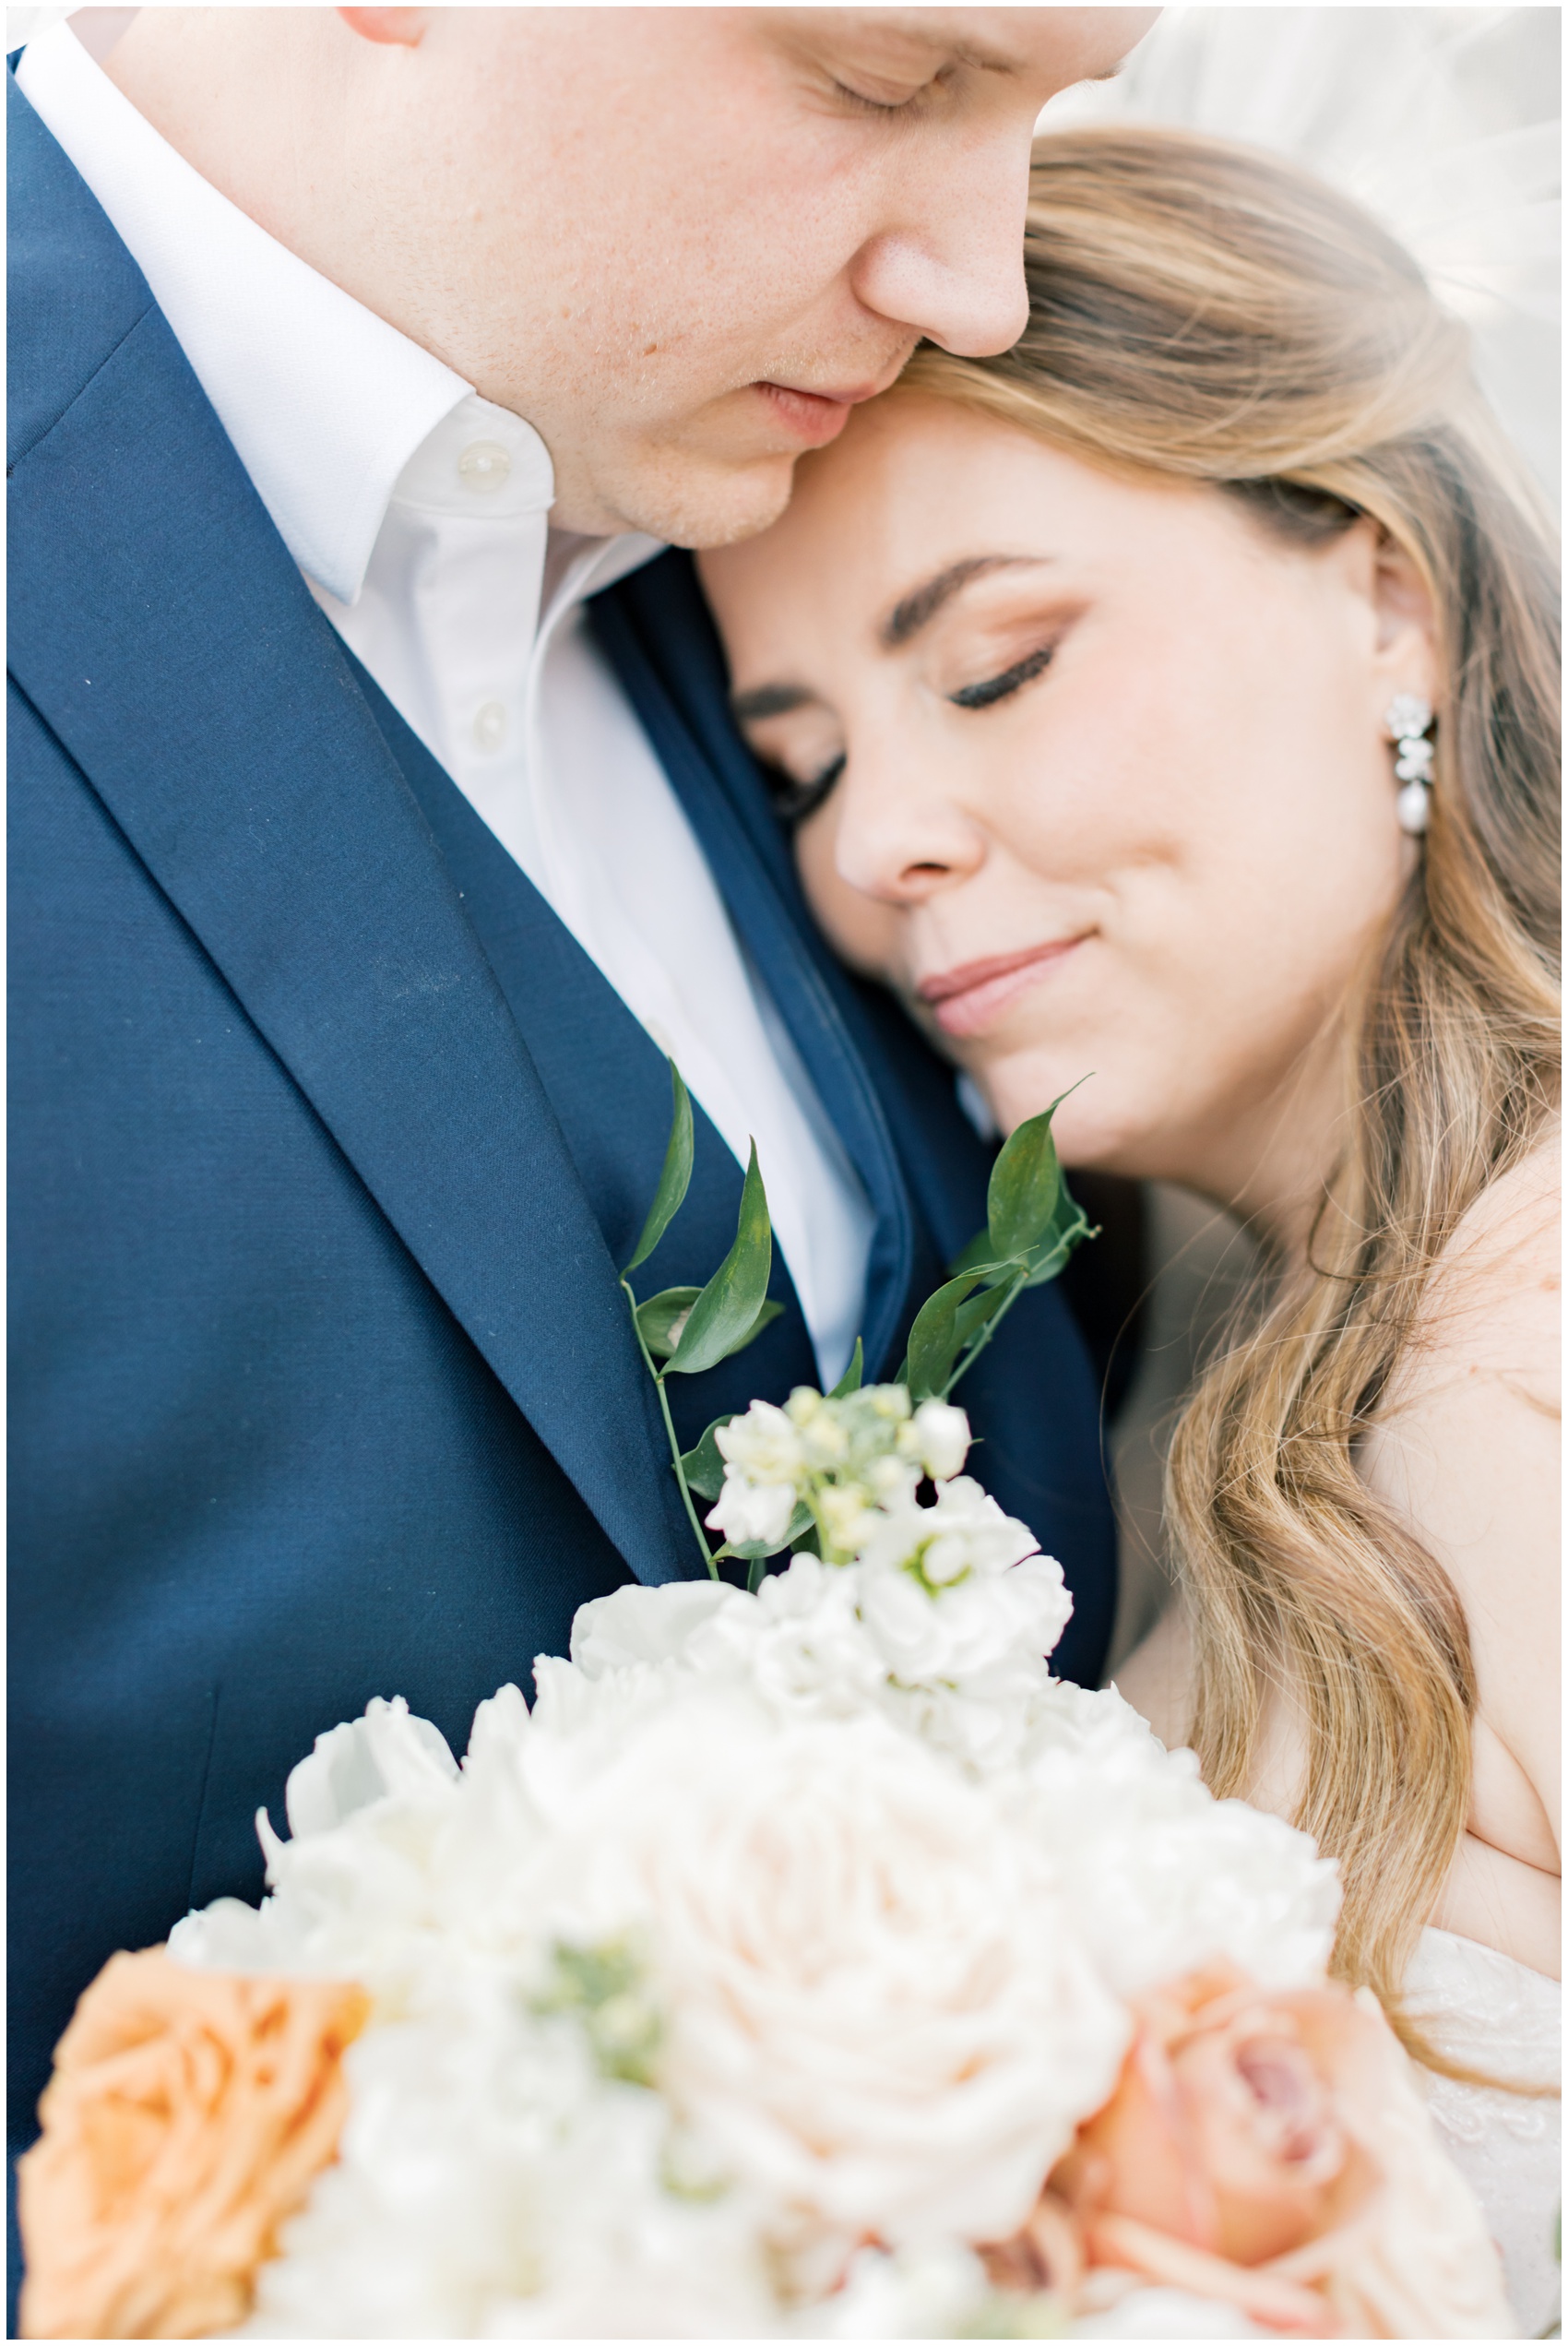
1466 1448
1491 1313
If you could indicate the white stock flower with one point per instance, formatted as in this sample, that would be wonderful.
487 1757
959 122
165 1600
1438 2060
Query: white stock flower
763 1444
765 1468
962 1635
748 1511
965 1532
351 1889
942 1438
386 1753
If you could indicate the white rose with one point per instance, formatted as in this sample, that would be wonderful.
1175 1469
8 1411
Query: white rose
877 2007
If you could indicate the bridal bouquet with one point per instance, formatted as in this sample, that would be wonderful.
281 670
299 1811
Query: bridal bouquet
807 1962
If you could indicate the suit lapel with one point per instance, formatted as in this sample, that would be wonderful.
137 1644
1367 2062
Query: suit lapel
160 630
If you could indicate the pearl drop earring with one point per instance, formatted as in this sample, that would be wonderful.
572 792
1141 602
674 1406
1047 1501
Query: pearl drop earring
1408 722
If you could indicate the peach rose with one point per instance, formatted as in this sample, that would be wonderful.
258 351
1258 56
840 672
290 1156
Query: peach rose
188 2114
1267 2150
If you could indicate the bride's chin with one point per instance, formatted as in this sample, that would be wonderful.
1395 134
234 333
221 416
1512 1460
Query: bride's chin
1088 1134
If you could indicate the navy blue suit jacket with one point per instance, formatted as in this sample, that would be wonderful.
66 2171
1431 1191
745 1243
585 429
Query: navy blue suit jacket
323 1383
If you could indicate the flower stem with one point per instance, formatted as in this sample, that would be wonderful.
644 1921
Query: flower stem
709 1565
983 1339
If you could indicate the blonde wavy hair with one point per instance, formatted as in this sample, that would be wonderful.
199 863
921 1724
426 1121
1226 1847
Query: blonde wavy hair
1200 309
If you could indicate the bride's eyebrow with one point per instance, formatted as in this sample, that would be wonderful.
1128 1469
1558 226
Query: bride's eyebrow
769 701
918 608
908 616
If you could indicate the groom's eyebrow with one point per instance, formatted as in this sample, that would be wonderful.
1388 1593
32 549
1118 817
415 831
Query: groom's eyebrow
919 607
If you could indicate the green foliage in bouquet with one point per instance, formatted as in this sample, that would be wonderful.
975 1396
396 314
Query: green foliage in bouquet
603 1988
1033 1226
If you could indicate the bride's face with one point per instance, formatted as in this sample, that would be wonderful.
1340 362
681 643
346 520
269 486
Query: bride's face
1098 761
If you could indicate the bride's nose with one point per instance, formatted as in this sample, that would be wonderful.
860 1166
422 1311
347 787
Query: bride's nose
901 837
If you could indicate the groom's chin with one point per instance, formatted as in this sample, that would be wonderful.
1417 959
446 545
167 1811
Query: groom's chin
718 475
688 501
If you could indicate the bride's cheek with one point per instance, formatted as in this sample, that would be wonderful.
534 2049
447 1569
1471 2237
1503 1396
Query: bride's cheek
861 931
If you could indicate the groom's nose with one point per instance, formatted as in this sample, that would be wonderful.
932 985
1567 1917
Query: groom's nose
951 265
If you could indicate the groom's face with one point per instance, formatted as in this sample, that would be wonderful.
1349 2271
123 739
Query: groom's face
685 241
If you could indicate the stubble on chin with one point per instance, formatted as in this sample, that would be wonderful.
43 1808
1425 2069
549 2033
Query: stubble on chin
685 500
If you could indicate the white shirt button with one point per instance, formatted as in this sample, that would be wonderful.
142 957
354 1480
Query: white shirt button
483 467
490 725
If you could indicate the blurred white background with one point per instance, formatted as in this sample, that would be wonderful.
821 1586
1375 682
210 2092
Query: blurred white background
1443 120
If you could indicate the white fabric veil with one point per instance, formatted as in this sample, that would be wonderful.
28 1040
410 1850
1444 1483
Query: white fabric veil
1442 122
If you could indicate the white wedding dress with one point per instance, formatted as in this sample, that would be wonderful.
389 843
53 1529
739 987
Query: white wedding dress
1484 2010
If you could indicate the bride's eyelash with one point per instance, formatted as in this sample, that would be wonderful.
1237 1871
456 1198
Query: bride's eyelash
793 801
995 688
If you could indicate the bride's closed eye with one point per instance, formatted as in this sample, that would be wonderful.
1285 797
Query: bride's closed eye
794 799
798 794
991 689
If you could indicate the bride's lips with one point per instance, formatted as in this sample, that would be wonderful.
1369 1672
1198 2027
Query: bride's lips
813 417
967 999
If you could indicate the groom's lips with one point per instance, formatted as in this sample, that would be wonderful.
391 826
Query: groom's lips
967 999
814 417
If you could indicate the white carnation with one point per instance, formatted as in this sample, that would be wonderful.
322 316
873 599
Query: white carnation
636 1625
800 1641
1163 1876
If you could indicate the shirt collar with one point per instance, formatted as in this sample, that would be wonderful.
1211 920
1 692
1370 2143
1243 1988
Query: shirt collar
329 408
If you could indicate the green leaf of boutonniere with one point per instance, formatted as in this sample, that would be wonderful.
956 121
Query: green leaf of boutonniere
675 1179
1069 1227
728 1311
934 1339
662 1318
853 1375
704 1468
1024 1183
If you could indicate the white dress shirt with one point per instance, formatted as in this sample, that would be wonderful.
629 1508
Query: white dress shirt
419 514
